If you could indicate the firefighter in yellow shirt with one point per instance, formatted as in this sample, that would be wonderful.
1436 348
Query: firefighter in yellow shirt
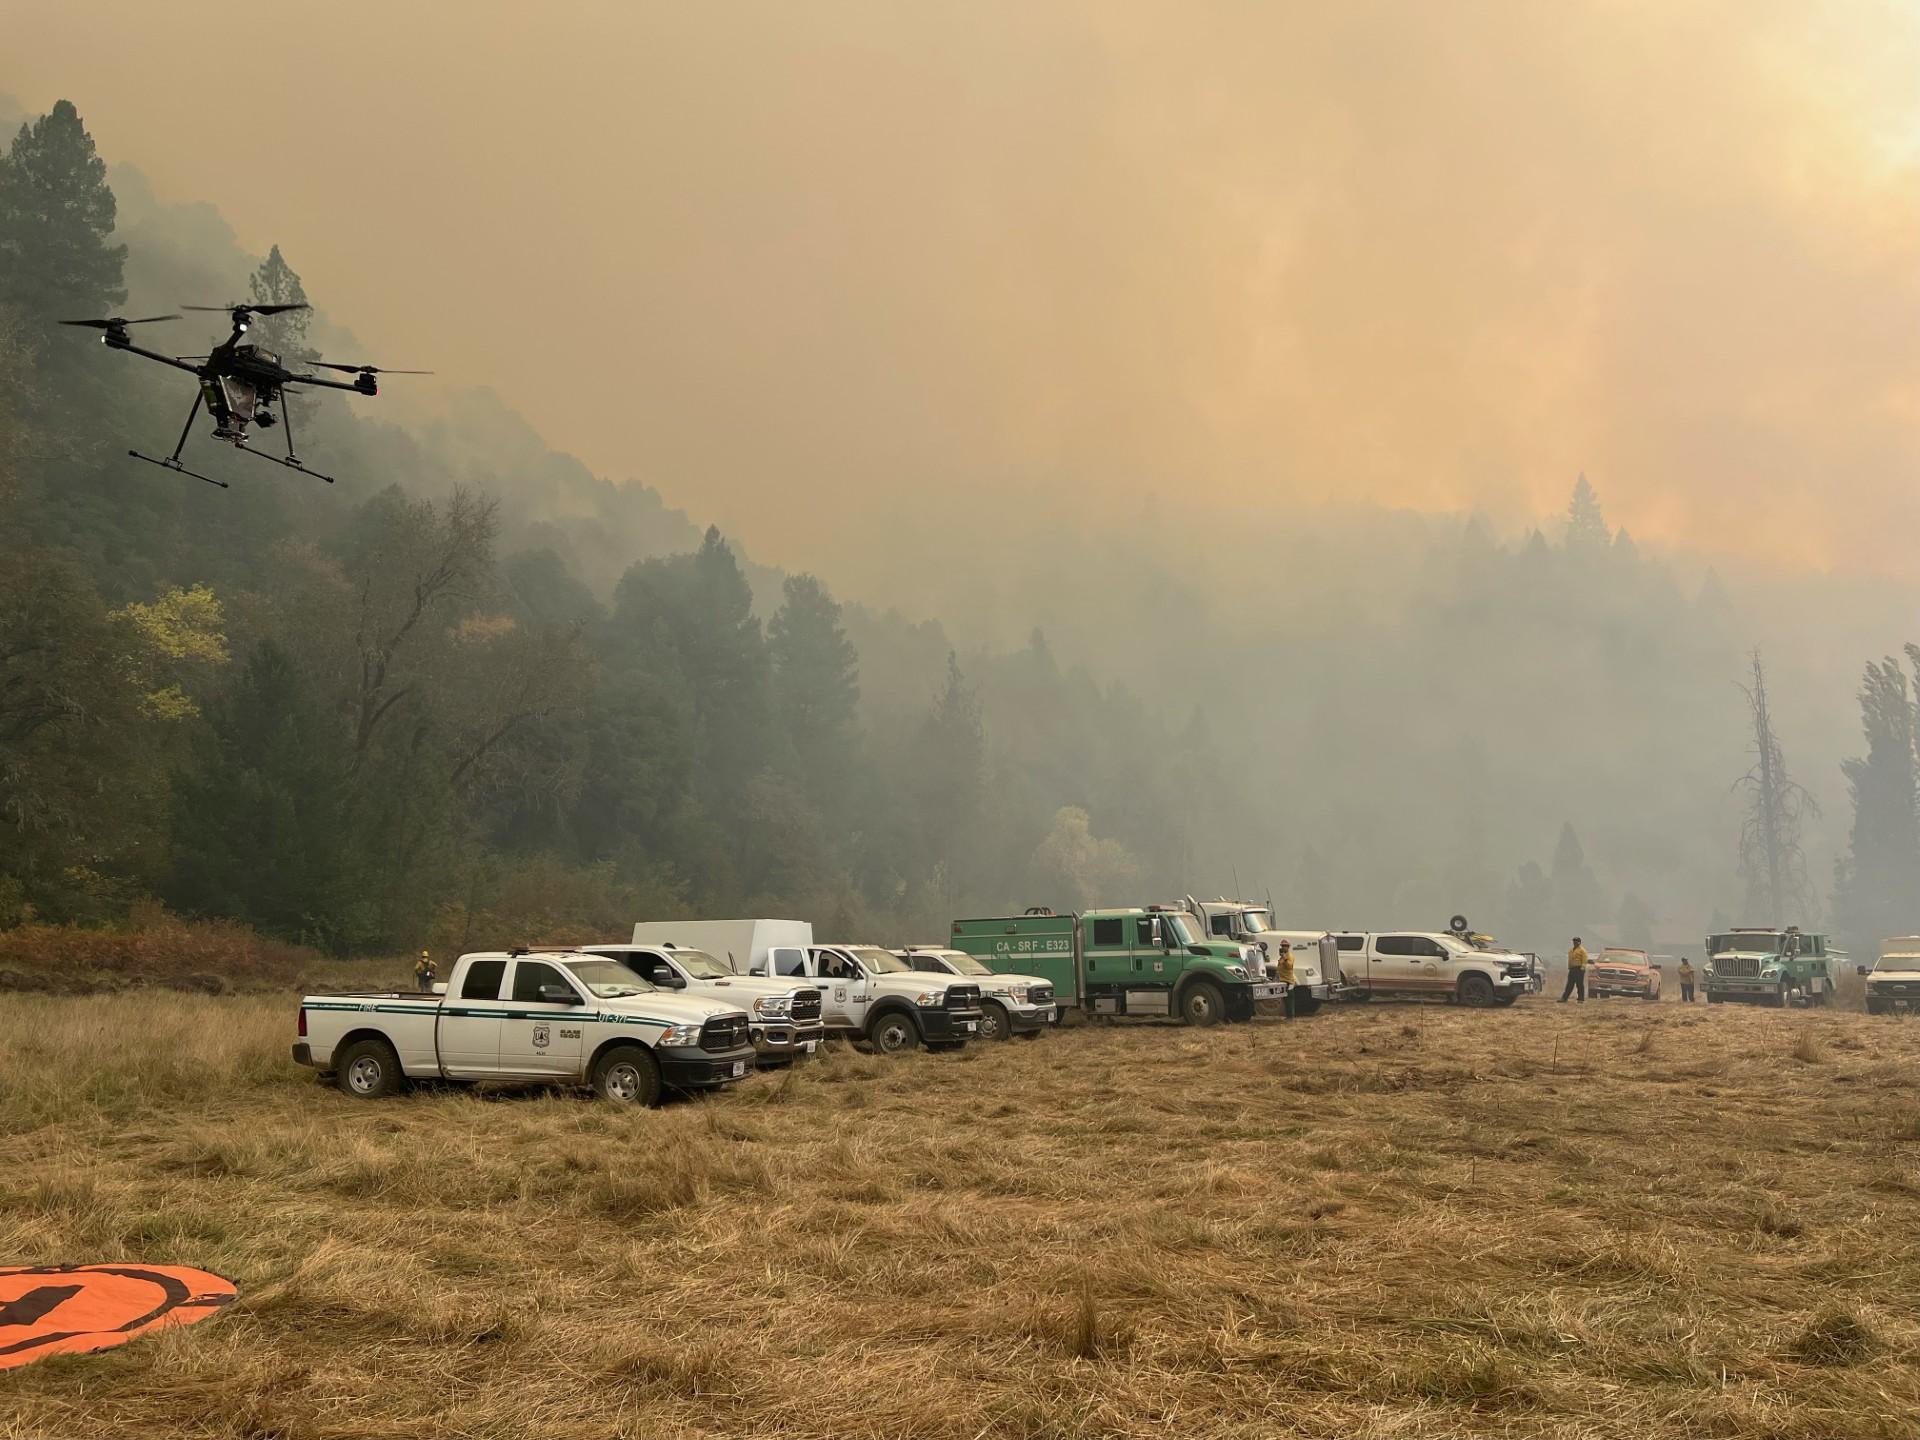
1686 980
1283 972
1576 972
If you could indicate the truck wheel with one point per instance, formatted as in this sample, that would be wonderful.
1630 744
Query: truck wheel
993 1022
627 1075
894 1033
1202 1004
1476 990
369 1070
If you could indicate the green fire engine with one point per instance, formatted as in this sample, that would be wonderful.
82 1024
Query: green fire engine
1131 962
1768 967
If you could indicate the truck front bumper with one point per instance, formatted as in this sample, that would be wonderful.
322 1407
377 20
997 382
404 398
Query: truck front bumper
691 1068
1743 989
1031 1018
941 1024
778 1042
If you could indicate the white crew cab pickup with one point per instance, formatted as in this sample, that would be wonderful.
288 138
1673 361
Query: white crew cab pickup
1431 964
785 1016
557 1016
1010 1004
872 994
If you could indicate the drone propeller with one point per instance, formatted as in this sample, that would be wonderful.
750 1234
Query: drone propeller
364 369
117 323
247 309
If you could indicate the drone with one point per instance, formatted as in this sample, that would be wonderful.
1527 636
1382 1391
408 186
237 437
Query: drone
239 383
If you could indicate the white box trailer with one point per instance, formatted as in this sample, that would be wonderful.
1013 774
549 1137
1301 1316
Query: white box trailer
740 945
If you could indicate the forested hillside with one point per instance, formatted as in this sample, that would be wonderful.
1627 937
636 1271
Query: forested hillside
474 693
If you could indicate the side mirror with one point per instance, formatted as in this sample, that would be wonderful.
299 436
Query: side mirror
1863 969
664 975
559 995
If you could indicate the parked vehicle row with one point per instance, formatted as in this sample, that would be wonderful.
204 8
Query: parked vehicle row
690 1005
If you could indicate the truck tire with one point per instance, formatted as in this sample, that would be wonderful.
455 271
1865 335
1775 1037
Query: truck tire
1202 1004
1476 990
627 1075
369 1070
893 1032
993 1022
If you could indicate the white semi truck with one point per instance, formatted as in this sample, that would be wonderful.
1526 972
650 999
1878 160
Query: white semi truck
1316 958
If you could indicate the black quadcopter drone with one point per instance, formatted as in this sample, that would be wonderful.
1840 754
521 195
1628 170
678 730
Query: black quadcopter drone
239 383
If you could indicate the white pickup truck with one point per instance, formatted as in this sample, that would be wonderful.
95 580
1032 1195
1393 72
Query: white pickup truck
557 1016
1011 1005
873 995
1432 964
785 1016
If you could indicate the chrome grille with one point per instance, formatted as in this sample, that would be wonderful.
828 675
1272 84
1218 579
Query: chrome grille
963 997
806 1005
1040 995
1736 965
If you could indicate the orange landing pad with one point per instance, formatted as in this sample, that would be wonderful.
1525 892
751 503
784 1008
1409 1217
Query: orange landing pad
72 1309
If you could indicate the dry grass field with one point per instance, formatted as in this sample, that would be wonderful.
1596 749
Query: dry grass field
1626 1220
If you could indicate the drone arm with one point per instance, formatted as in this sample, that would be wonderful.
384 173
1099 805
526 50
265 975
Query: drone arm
156 355
330 384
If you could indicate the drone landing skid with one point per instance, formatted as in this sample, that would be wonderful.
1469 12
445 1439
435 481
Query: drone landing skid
291 464
178 469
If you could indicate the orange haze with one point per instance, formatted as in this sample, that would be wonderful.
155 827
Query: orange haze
825 270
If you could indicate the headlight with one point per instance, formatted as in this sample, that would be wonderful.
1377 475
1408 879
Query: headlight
928 997
680 1035
1238 972
1018 993
773 1005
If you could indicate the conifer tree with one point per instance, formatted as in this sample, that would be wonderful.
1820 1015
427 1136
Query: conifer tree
56 223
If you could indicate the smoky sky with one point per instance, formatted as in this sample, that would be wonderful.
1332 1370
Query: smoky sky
849 274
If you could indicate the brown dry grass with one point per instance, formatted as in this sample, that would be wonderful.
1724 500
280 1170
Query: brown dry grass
1380 1223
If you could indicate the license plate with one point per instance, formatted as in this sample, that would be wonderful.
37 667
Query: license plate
739 1067
1051 1017
967 1026
808 1046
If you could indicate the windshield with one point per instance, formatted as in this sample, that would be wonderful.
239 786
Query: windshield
1750 944
1178 931
1898 962
1255 920
701 966
880 962
608 979
962 963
